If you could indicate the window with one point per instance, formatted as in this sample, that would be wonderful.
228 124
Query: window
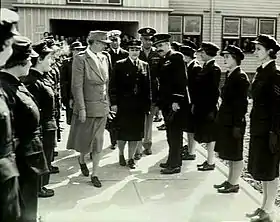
185 27
240 31
97 2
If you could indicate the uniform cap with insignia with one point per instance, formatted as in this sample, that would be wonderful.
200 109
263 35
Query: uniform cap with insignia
233 50
51 44
268 42
176 45
114 34
210 48
147 31
159 38
8 20
77 46
42 48
134 43
100 36
22 48
50 37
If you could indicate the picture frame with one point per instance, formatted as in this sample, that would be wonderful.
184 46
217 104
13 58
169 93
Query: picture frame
231 26
192 25
249 27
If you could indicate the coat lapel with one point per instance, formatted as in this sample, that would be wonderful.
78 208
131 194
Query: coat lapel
94 66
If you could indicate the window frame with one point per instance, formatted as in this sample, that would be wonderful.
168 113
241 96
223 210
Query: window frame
98 4
241 36
183 33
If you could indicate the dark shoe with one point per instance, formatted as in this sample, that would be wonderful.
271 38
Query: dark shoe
206 167
131 164
95 181
55 153
189 157
262 216
202 164
44 192
54 170
122 161
137 156
163 165
147 152
113 147
84 168
90 156
255 213
162 127
170 170
157 119
218 186
229 188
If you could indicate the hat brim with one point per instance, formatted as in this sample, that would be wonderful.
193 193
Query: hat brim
256 42
200 50
160 41
224 53
106 41
135 46
79 47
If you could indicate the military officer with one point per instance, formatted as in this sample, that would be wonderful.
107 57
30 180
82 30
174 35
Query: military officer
25 113
172 91
149 55
231 118
264 150
65 79
130 97
193 69
9 195
116 53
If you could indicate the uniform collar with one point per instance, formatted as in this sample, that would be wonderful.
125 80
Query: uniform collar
132 61
117 51
190 62
267 63
211 60
232 70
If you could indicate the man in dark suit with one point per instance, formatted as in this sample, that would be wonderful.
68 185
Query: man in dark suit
116 53
149 55
193 68
130 97
206 95
172 91
65 79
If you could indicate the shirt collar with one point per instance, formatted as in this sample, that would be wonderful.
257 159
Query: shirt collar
116 50
190 62
266 63
132 61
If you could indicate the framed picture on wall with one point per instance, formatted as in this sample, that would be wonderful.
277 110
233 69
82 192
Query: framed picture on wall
231 26
249 27
192 25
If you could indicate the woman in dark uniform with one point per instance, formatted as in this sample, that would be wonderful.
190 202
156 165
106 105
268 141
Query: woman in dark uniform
231 118
130 96
9 187
39 86
29 153
264 152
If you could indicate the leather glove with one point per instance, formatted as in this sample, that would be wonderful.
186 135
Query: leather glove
273 142
237 133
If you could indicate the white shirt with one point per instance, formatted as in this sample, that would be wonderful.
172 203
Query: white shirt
137 60
266 63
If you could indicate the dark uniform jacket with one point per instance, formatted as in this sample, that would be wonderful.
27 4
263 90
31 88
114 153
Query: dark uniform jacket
153 61
172 79
25 123
265 114
193 69
65 81
116 57
43 93
234 99
130 85
206 92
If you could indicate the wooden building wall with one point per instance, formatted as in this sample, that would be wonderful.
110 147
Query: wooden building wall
35 21
256 8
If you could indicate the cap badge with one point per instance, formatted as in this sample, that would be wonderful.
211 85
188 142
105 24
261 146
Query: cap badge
148 30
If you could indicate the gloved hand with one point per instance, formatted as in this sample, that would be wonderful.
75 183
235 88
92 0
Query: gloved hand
236 131
273 142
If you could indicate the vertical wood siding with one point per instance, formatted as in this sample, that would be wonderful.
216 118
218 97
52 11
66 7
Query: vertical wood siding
126 3
35 21
256 8
7 3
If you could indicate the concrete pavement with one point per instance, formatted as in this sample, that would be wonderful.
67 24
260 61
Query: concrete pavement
142 194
